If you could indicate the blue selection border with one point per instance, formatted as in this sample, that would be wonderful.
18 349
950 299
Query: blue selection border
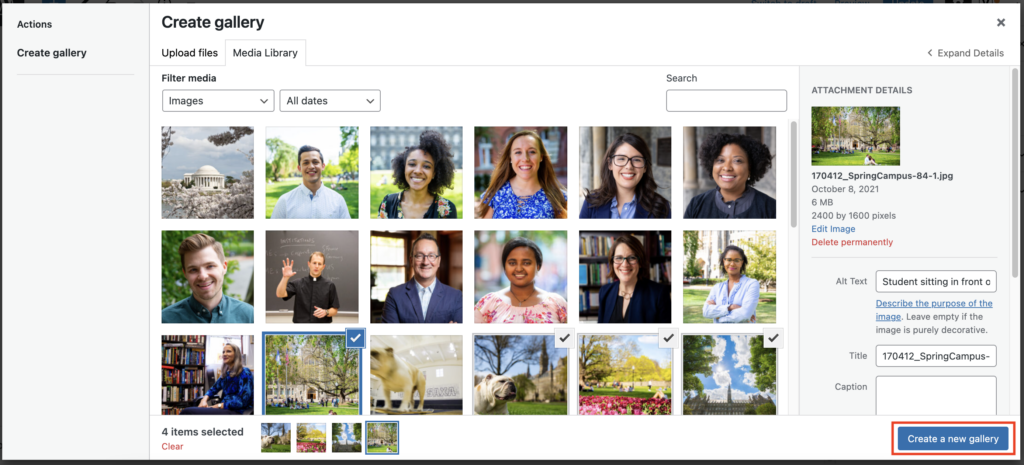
263 363
366 438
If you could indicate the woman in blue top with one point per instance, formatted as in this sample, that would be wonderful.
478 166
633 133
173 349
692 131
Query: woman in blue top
735 299
524 184
627 190
235 386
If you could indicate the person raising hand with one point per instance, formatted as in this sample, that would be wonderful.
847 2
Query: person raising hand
317 300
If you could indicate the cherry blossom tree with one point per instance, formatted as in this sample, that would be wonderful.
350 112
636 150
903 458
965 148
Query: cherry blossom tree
188 201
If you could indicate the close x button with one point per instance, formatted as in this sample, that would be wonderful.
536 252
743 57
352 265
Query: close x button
954 438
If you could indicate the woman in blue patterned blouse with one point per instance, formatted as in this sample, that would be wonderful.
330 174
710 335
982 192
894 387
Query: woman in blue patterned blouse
235 386
524 184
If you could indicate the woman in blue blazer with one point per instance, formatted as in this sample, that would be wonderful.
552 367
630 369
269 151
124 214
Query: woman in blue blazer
735 299
633 298
627 190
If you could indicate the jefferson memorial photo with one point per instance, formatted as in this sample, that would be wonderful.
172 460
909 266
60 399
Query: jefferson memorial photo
207 178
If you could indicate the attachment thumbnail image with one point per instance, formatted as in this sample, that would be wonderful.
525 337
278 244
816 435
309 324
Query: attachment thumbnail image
276 437
519 375
382 437
206 375
728 375
731 277
416 375
624 375
312 173
520 172
311 438
310 374
347 437
728 172
207 277
206 172
416 172
855 136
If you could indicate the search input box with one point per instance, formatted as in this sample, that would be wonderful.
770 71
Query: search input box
726 100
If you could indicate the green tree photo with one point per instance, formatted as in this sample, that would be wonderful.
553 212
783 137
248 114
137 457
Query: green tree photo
762 364
762 257
697 359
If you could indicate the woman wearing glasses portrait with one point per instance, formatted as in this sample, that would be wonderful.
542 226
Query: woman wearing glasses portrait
424 299
627 190
735 299
633 297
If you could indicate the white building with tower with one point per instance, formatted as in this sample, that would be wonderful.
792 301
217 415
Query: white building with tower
206 178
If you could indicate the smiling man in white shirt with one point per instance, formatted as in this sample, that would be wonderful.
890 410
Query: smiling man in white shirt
311 200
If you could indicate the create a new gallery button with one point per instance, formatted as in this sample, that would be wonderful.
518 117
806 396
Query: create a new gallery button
954 438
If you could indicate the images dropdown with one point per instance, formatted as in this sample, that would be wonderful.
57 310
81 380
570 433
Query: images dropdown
226 100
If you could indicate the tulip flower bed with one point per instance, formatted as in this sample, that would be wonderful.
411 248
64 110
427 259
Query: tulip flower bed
311 446
607 405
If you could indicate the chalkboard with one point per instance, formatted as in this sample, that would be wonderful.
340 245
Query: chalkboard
341 263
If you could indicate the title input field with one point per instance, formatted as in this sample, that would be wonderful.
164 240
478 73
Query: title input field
726 100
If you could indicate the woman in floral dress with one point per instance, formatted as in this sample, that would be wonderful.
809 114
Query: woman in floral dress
521 302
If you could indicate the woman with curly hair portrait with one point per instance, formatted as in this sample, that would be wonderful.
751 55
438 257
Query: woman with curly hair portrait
628 190
524 184
423 172
735 163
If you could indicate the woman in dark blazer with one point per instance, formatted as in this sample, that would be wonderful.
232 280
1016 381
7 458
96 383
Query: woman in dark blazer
627 189
735 163
633 298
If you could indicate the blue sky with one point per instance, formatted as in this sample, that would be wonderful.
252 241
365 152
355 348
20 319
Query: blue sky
327 139
519 368
734 367
191 150
346 434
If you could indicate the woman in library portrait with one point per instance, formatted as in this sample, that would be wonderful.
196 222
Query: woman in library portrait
735 299
422 172
633 297
627 191
235 386
524 184
735 163
521 302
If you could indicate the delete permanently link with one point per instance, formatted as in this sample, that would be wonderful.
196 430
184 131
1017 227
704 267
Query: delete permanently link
265 52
